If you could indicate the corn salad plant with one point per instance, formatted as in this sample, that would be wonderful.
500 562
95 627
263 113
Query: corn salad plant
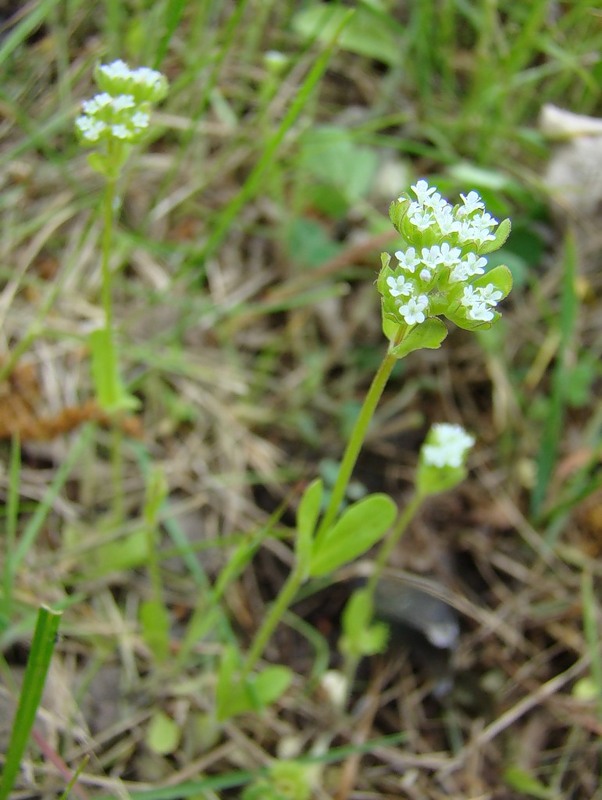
441 272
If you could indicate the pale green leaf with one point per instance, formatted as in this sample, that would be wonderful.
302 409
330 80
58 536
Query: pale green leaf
500 277
154 621
367 33
254 693
427 335
163 734
359 528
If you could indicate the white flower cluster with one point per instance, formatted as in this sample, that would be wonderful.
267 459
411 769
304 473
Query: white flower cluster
142 83
447 445
441 266
479 301
106 117
470 223
121 110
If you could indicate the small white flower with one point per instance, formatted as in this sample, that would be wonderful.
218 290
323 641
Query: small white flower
140 120
449 256
89 128
121 131
122 102
408 259
484 220
147 76
446 221
465 230
436 203
422 220
431 257
477 229
413 310
472 202
400 286
447 445
423 191
97 103
470 265
469 233
116 69
480 312
477 302
491 295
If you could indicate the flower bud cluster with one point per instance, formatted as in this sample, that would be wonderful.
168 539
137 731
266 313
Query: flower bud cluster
121 111
447 445
443 271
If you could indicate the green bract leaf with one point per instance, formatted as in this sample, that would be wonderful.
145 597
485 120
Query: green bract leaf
500 277
471 324
397 212
432 480
428 334
360 527
501 234
390 327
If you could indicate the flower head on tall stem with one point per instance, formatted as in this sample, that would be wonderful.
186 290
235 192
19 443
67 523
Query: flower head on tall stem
442 271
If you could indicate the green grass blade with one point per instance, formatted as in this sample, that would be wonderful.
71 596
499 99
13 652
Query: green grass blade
29 24
40 655
12 516
173 15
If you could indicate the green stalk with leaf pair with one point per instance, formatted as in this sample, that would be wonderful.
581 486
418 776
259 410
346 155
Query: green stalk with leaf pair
441 272
112 122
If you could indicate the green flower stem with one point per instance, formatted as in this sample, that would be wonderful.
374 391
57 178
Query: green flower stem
351 662
116 447
107 239
389 544
356 440
274 615
360 429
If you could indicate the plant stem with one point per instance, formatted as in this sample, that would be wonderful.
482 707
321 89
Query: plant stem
351 662
392 540
107 240
356 440
274 615
116 445
354 445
